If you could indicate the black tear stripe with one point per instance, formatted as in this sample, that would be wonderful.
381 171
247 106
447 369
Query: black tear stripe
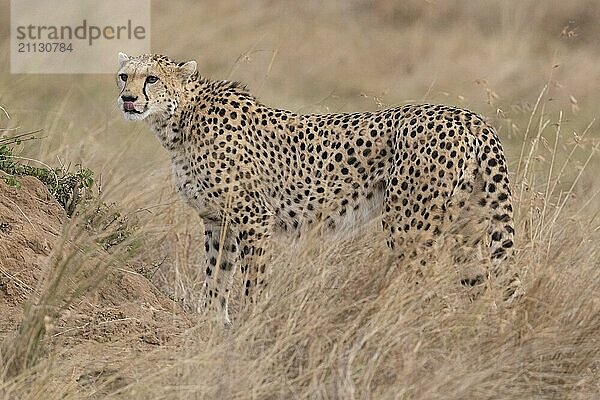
122 90
144 91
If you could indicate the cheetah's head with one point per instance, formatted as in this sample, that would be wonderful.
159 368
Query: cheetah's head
151 85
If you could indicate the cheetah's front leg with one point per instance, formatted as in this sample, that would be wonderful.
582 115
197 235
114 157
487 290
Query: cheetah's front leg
253 240
221 253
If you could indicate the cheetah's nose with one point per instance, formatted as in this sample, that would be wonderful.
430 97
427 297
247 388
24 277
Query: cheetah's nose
128 98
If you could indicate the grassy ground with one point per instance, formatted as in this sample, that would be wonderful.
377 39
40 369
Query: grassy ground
340 320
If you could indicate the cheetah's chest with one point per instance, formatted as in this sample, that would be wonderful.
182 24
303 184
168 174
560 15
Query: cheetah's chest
196 189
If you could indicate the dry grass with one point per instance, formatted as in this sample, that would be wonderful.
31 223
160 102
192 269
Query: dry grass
341 319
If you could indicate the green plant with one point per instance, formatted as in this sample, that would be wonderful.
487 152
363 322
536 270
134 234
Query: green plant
69 188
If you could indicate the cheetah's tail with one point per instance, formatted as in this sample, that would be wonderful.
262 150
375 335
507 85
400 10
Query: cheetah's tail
497 195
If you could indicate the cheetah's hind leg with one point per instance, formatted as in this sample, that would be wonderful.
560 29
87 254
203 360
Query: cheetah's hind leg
413 219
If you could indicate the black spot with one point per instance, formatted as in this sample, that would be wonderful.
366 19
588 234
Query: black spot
472 281
502 218
498 253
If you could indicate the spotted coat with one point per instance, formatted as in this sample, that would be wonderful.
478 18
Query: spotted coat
251 171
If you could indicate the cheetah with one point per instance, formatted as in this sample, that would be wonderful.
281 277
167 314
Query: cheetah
251 171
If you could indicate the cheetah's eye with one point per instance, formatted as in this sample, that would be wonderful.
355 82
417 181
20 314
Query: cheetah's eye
123 77
151 79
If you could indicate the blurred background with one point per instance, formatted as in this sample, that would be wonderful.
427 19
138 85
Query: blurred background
493 56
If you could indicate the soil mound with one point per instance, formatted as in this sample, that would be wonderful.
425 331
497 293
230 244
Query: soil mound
125 312
30 223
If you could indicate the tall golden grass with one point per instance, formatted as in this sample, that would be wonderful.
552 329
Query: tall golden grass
341 318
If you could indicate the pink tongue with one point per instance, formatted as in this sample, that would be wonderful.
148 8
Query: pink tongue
128 105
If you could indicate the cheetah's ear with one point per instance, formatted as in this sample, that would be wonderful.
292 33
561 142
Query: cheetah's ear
123 58
187 69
